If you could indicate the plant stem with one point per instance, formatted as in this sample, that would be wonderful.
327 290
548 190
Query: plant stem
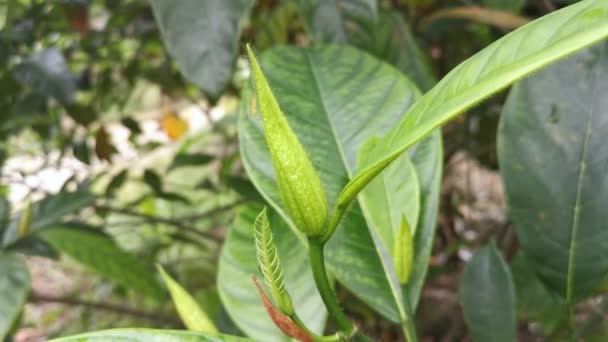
317 262
407 320
317 338
123 310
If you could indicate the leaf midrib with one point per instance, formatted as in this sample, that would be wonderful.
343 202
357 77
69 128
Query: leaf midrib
579 190
395 291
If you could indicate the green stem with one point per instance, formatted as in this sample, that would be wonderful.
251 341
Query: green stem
317 338
407 320
317 262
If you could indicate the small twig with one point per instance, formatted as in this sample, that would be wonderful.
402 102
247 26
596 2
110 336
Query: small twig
179 223
214 211
39 298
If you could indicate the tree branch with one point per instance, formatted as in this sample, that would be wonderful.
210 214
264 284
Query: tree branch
123 310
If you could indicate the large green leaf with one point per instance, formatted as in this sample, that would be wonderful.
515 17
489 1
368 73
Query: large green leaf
315 90
98 252
14 288
487 297
49 211
535 302
48 74
391 40
553 159
505 61
238 263
203 37
427 157
149 335
336 20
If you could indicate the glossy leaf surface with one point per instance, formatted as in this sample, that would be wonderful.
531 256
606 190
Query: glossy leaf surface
332 125
203 37
149 335
507 60
14 288
238 263
487 297
553 157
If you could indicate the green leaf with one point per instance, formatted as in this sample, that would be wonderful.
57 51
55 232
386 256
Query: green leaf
507 60
203 38
508 5
14 288
553 160
314 88
47 73
269 263
487 297
100 253
49 211
299 185
335 20
190 159
391 40
153 180
386 210
149 335
427 157
403 252
189 311
534 300
238 263
274 30
5 212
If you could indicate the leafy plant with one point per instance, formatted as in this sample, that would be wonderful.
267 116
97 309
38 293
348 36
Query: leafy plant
340 139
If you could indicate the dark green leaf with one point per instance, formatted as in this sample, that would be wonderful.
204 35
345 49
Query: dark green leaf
507 60
5 212
149 335
81 151
203 37
116 182
14 288
238 263
314 89
336 20
49 211
153 180
131 124
274 30
47 73
190 159
244 187
32 245
98 252
534 301
487 297
392 41
551 147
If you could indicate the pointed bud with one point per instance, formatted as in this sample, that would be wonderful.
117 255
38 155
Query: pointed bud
403 252
299 185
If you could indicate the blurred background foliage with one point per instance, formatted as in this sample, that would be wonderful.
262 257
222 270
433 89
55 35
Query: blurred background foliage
116 154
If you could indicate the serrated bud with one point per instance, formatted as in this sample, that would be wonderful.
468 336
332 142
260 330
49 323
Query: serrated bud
268 261
299 185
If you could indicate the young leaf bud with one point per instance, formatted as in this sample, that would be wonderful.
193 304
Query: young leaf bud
299 185
268 260
403 252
